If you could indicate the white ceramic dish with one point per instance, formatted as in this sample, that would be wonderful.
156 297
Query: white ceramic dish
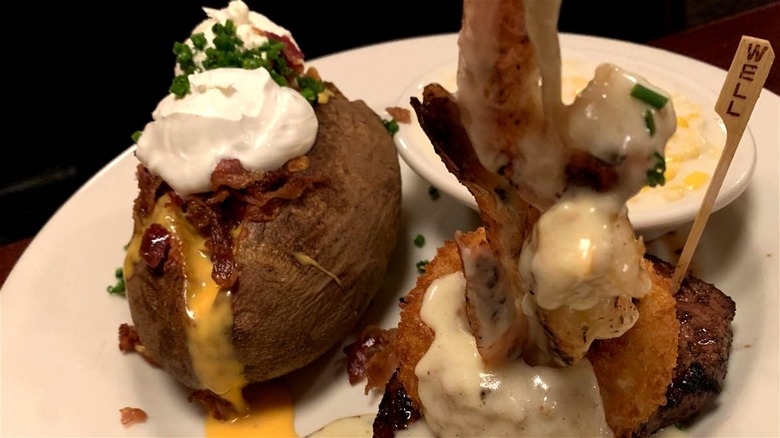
650 217
61 373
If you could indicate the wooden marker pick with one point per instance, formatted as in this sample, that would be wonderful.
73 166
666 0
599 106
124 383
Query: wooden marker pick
738 96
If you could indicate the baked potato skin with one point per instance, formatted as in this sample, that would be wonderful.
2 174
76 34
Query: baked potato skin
285 313
156 298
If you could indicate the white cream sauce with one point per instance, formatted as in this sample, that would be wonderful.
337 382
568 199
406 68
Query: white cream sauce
581 253
362 426
461 397
583 248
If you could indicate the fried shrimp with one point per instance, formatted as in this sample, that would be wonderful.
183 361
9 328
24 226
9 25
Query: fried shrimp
551 193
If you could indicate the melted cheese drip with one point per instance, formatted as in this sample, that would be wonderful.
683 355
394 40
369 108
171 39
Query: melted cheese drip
209 313
270 414
462 397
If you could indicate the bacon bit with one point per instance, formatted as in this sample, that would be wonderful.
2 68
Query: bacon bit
238 195
155 244
396 410
292 54
297 164
130 342
264 206
231 173
147 191
128 338
220 244
131 416
401 115
215 405
313 73
372 357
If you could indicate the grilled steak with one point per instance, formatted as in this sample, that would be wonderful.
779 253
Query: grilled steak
705 314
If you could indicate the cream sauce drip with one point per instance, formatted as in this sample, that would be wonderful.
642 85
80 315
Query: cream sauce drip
461 397
583 249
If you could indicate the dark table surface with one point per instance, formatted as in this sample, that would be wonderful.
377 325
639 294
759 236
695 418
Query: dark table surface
714 43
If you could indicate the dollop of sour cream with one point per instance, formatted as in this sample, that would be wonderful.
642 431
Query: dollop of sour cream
229 114
462 397
251 27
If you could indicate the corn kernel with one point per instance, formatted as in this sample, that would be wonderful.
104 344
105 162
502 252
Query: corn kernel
682 122
673 192
696 179
671 170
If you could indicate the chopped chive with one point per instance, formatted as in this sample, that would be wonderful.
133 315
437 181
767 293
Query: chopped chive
655 176
391 126
180 86
419 241
421 266
198 41
649 96
119 287
136 135
649 122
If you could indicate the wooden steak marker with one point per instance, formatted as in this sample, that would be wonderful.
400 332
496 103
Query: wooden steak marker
738 96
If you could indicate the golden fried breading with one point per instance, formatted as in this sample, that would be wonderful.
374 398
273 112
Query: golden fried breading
413 337
635 369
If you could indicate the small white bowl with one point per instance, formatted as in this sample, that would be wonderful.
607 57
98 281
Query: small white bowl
651 216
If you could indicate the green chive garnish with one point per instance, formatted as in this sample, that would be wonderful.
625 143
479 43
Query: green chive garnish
655 176
649 122
136 135
421 266
119 287
419 241
180 86
648 96
391 126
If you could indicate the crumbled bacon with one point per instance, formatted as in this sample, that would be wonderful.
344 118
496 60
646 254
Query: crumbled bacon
131 416
215 405
128 338
401 115
292 54
396 410
372 357
147 193
219 243
230 173
130 342
237 195
297 164
155 244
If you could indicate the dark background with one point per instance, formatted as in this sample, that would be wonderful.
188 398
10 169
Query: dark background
80 79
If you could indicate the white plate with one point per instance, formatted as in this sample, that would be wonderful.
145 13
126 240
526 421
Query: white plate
63 375
581 55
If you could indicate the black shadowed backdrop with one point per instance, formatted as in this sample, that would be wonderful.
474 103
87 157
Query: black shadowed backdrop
82 78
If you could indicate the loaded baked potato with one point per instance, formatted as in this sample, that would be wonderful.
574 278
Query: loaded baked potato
269 269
